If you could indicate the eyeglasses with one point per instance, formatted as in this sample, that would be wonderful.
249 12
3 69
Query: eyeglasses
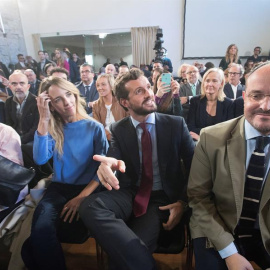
16 83
192 72
234 73
86 71
257 97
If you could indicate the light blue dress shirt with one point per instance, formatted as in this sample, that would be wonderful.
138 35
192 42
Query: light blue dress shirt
150 125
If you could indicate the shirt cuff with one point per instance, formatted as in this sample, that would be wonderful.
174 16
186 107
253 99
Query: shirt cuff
175 95
228 251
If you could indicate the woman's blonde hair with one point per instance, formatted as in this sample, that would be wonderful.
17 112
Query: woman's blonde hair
56 123
109 78
220 72
227 56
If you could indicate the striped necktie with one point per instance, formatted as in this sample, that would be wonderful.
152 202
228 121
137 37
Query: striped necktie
253 186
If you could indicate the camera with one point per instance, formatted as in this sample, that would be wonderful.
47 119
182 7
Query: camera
158 45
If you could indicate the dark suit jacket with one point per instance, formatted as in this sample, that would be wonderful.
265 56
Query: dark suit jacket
229 92
74 74
30 117
5 69
238 106
34 90
185 91
92 96
19 66
173 144
197 116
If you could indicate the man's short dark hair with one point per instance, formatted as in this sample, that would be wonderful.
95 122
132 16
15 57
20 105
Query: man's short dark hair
19 55
87 65
119 89
158 61
40 51
59 69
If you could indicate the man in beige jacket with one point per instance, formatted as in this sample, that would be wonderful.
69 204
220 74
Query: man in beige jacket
218 185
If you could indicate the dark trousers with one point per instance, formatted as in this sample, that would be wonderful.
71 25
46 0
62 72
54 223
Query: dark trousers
250 248
42 250
129 241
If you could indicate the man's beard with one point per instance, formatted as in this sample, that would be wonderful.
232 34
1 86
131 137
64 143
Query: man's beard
20 95
143 111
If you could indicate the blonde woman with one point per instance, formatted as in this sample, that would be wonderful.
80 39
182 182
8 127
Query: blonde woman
211 107
66 133
230 57
106 109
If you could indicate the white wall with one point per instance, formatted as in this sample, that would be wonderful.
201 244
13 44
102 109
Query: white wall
70 17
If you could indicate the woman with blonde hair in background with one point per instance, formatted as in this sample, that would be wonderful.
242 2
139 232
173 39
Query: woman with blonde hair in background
230 57
66 133
211 107
106 109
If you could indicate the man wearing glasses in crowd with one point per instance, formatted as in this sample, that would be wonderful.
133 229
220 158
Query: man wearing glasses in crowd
233 89
87 86
21 109
190 89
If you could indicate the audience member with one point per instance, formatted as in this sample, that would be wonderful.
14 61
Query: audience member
181 73
41 64
59 72
233 89
226 75
154 74
230 207
108 61
21 109
63 126
87 86
31 63
167 96
124 223
123 69
77 60
110 69
106 109
74 73
21 62
211 107
60 59
32 80
230 57
122 63
5 70
255 58
10 148
157 64
190 89
48 68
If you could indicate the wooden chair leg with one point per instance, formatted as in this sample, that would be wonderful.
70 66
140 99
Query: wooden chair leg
102 258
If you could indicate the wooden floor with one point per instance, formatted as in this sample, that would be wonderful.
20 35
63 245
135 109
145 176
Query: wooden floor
83 257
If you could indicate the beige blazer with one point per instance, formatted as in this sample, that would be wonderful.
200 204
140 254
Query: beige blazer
216 185
100 111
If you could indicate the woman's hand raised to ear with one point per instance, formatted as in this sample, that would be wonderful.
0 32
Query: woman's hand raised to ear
43 101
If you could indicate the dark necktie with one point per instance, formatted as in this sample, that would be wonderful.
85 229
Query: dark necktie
143 194
87 91
253 186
